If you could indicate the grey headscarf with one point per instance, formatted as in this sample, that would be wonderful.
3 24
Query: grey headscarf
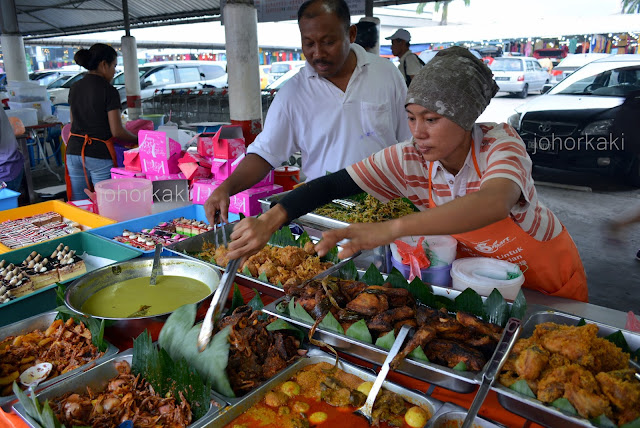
455 84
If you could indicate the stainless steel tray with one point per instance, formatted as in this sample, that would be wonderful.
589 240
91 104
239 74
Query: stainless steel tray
42 322
97 379
313 357
535 410
462 382
450 415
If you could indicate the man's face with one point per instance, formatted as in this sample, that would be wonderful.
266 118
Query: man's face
398 47
325 43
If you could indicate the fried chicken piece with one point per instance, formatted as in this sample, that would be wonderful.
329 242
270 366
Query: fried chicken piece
607 356
426 315
368 304
351 288
385 321
486 328
531 361
571 342
451 353
621 388
410 322
220 256
396 296
587 403
553 383
421 337
309 248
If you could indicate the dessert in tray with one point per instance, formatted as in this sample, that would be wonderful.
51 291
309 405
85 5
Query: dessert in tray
165 233
38 271
38 228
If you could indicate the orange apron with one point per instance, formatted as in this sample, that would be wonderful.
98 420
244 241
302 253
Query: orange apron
552 267
88 140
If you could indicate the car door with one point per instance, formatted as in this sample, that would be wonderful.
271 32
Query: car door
542 73
160 78
530 76
189 76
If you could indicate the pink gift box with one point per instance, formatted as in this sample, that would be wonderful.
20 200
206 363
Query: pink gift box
247 202
158 154
226 143
193 171
223 168
125 173
202 189
159 177
85 204
266 181
132 160
192 157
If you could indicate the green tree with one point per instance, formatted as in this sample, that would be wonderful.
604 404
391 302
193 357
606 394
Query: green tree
445 8
630 6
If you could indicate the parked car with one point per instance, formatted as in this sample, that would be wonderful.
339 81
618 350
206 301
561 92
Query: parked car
573 62
60 95
519 75
278 69
554 54
175 74
44 77
264 75
573 126
427 55
278 83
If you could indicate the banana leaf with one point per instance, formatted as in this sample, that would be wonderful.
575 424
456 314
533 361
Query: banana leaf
360 331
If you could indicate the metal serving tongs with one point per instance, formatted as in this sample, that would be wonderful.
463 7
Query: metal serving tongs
367 408
508 339
217 304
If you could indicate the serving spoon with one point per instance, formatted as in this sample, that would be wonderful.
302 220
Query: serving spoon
32 376
156 264
367 408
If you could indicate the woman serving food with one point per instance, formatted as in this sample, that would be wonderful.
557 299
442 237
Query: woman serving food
470 180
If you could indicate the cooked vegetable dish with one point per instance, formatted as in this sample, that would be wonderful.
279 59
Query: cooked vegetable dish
369 210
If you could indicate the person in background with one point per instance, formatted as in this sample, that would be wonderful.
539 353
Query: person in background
367 35
11 160
469 180
95 120
410 64
340 108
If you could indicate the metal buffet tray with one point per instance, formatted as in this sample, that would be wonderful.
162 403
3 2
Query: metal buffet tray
313 357
451 415
535 410
42 322
98 378
379 256
462 382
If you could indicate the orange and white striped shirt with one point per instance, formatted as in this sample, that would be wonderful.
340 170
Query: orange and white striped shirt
401 171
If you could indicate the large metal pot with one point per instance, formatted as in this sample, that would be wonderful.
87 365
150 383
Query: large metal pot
86 286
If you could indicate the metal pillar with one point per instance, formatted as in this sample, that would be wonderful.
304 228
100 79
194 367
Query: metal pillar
241 35
15 60
130 62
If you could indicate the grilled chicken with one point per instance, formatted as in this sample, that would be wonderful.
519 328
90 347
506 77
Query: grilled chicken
386 320
421 337
476 323
369 304
451 353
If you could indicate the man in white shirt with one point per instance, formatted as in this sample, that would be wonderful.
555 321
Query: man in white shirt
340 108
410 64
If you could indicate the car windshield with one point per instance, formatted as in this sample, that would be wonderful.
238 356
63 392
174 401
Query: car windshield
601 79
277 84
119 78
506 64
72 80
58 82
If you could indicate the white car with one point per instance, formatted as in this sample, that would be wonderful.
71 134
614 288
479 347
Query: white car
519 75
573 62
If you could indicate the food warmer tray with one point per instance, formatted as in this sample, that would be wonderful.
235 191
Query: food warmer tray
42 322
535 410
98 378
315 356
380 256
458 381
452 415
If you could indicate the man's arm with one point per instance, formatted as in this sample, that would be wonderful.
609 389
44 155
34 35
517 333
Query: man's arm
251 169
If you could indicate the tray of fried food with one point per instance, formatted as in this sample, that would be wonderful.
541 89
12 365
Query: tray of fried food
456 345
271 268
568 372
110 394
315 390
41 338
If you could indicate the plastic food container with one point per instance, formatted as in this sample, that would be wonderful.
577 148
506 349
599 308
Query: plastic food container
26 91
441 250
124 198
42 107
8 199
157 119
286 176
28 116
483 274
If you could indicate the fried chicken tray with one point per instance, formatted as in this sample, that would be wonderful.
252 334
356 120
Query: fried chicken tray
105 382
570 365
452 338
292 264
42 322
315 356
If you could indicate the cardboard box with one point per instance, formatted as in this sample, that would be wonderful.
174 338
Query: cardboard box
202 189
226 143
132 160
159 154
223 168
85 204
193 171
160 177
125 173
266 181
247 202
190 157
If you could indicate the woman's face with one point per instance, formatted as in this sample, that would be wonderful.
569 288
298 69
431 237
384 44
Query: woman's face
108 70
438 138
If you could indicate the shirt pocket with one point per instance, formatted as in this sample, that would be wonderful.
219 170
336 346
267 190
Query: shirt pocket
376 122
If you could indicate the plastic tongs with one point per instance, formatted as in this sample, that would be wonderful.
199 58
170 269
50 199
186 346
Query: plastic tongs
508 339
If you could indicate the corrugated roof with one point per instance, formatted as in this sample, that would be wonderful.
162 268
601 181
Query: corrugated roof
68 17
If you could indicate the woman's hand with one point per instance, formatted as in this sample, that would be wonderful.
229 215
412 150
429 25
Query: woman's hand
251 234
361 236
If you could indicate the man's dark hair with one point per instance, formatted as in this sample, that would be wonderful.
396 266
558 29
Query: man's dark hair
367 36
337 7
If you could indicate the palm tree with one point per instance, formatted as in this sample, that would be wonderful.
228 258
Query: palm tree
445 8
630 6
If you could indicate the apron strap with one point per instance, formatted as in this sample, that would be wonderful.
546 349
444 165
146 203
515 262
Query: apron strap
88 141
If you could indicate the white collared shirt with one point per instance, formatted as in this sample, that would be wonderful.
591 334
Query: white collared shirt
334 129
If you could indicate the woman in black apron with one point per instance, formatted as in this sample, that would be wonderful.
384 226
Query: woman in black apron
95 121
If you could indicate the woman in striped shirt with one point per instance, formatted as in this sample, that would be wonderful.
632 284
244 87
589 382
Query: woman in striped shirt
470 180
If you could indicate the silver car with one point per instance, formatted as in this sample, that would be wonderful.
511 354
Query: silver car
519 75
